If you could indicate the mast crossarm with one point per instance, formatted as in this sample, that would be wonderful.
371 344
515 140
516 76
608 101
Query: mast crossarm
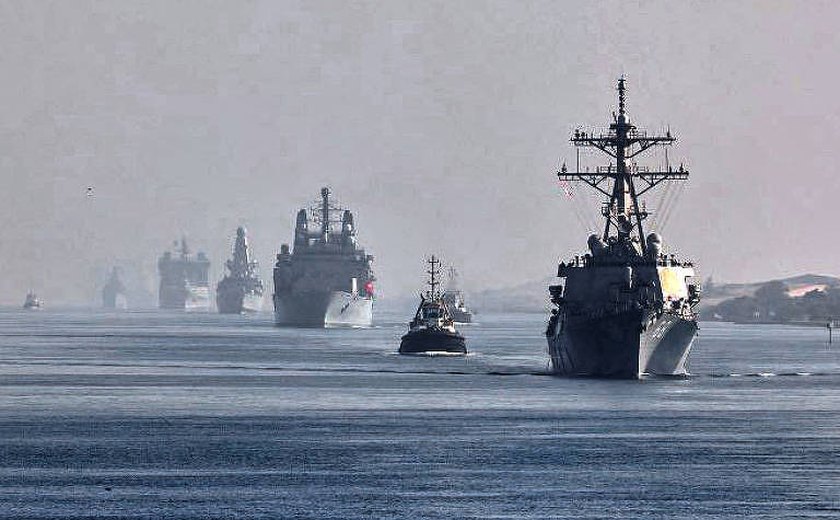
653 179
602 143
592 180
647 142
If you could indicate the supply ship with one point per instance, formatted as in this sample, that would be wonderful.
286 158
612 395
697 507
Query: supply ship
453 296
113 294
326 280
241 290
624 309
183 279
432 330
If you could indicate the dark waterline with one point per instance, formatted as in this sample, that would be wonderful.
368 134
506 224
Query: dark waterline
149 415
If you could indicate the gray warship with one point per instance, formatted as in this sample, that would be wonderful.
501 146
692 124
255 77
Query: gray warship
241 290
453 296
113 293
433 329
326 281
183 279
624 309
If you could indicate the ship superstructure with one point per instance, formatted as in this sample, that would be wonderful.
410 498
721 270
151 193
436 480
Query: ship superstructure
453 296
326 280
624 309
183 279
241 290
432 329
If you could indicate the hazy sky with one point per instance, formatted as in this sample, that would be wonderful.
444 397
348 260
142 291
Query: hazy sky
439 123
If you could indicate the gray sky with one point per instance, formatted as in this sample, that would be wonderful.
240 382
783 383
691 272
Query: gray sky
438 123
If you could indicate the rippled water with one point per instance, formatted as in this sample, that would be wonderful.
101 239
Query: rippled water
151 415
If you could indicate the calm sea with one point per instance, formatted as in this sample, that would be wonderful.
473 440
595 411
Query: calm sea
151 415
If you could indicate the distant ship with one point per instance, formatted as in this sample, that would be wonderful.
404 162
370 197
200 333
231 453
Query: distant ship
183 279
432 329
32 301
241 290
327 280
453 296
626 309
113 294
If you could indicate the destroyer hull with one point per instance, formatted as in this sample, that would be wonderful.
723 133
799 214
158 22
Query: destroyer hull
618 346
237 303
323 309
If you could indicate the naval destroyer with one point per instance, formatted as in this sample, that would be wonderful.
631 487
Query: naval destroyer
432 329
624 309
183 279
326 280
241 290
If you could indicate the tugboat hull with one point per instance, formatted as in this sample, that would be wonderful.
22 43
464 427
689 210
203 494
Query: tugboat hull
426 340
618 346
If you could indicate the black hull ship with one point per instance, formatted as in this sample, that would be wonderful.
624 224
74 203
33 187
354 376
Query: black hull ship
624 309
326 281
241 290
184 283
432 330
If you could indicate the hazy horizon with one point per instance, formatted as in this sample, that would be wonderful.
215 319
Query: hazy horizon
440 124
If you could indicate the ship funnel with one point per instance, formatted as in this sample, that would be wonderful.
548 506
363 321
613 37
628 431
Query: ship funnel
301 223
301 227
654 243
347 222
596 245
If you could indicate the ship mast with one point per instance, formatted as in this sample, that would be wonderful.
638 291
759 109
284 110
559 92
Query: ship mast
325 214
622 142
433 271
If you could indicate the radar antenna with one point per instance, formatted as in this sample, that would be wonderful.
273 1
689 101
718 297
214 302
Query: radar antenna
617 181
434 271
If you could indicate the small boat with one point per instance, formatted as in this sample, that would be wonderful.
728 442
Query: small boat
432 330
32 301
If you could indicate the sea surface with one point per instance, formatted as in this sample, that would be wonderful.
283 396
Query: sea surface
167 416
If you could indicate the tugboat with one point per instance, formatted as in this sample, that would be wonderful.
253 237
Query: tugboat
32 301
241 290
453 296
625 309
432 330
